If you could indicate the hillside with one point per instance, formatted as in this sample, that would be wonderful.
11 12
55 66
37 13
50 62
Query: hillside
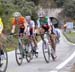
47 3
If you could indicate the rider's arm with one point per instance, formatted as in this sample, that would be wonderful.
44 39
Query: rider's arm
50 24
13 25
38 23
25 25
33 25
13 29
52 29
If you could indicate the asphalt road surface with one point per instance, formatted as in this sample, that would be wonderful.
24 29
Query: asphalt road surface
65 59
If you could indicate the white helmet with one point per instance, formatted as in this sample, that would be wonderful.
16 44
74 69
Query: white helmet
16 14
28 17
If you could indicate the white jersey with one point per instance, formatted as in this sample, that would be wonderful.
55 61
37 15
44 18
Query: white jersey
31 24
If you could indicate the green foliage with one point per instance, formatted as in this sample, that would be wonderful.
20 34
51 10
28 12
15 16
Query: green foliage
7 7
60 3
69 8
35 1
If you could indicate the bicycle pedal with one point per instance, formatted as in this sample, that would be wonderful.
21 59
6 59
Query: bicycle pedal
1 64
20 58
36 52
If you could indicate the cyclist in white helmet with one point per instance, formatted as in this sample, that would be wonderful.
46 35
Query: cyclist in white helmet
31 30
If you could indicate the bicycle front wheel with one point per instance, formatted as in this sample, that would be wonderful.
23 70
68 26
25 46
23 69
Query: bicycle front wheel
29 54
3 59
46 51
19 54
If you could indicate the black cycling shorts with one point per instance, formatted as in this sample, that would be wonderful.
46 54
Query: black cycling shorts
45 27
21 30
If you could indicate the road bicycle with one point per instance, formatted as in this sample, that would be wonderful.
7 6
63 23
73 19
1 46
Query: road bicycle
3 59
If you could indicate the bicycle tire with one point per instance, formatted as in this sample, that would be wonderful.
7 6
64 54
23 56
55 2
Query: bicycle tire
21 54
5 53
28 55
44 46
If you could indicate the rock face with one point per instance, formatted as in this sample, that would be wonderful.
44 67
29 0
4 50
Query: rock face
47 3
53 12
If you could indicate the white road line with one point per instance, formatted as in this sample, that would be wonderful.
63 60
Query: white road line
66 61
60 66
53 71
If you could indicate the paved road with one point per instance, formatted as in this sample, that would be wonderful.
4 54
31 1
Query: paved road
64 50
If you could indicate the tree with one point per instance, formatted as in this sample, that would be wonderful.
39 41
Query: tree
47 3
69 8
8 7
36 2
60 3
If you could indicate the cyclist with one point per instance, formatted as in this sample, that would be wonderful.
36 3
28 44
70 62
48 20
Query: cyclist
44 24
31 31
20 21
1 51
56 30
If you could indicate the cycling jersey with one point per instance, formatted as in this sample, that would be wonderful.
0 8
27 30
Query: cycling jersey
20 22
31 25
1 26
43 22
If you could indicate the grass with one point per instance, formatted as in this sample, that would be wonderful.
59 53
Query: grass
10 49
11 46
70 36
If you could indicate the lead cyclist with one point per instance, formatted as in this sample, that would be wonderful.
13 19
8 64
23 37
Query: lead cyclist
44 24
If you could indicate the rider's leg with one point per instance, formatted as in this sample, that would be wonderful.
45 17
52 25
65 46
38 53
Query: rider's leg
57 32
53 44
33 39
21 31
36 47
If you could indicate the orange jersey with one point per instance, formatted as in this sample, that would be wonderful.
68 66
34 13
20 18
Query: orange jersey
20 22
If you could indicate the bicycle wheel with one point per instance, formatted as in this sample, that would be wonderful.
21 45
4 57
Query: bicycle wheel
34 48
28 52
46 51
3 60
19 54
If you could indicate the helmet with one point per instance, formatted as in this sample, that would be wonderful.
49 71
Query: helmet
16 14
28 17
